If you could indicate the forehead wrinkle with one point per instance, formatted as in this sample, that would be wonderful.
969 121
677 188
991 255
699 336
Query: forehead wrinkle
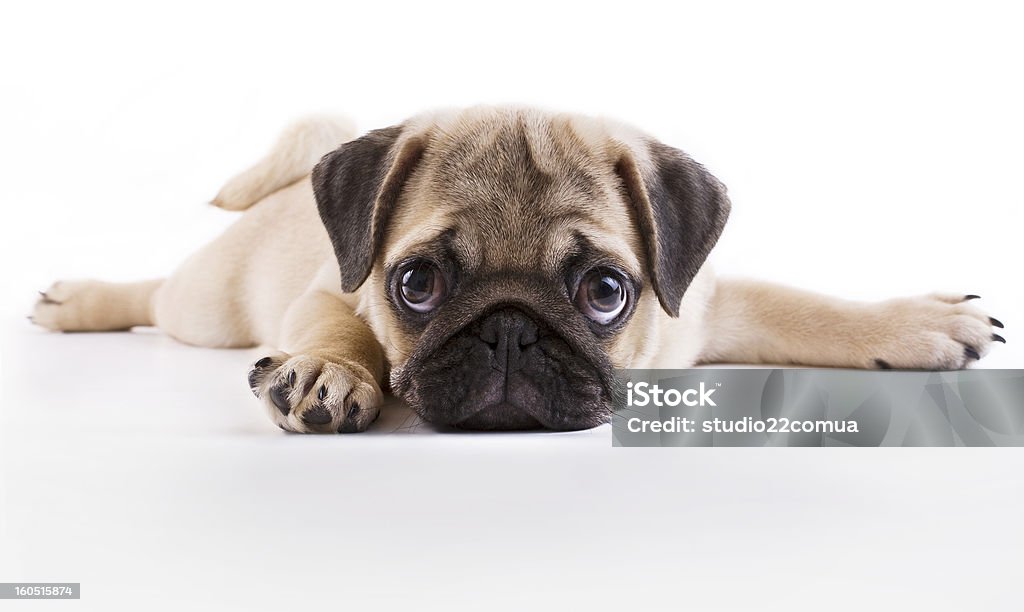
425 242
514 160
615 246
513 183
410 232
514 239
561 245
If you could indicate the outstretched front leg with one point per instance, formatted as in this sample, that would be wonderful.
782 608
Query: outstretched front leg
327 377
756 322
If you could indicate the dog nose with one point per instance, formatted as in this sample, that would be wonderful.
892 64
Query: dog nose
508 332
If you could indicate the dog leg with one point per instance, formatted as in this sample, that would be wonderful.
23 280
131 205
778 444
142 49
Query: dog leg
88 305
327 377
755 322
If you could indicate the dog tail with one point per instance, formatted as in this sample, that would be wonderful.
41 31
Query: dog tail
292 157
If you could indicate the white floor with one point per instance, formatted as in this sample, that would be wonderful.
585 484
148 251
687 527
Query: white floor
144 470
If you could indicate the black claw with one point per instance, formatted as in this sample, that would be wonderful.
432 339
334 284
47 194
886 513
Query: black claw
350 425
971 353
256 375
881 364
998 338
972 297
254 381
279 395
321 393
996 322
46 299
291 378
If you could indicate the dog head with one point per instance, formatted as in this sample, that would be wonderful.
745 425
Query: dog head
509 259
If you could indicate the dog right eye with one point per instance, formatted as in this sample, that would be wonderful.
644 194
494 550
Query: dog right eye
602 295
422 286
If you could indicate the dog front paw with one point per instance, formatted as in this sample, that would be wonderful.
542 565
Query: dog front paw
307 394
933 332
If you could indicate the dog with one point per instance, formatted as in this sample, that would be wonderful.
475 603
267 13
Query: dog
492 266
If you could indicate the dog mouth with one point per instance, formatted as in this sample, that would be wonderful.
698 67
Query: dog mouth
508 370
498 417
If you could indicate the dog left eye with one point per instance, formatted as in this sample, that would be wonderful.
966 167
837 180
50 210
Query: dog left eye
422 286
601 295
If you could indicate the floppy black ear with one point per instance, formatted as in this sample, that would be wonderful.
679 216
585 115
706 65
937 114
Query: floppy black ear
356 187
681 210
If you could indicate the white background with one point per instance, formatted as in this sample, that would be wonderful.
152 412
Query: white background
870 151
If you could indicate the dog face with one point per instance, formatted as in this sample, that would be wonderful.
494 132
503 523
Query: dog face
508 259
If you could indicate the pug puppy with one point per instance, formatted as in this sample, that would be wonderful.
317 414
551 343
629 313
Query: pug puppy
493 266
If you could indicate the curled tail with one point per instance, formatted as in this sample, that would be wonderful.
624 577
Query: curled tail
292 157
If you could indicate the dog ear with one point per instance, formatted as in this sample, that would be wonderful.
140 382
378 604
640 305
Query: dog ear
681 210
356 187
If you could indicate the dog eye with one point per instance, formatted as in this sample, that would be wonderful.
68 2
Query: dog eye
601 295
422 286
